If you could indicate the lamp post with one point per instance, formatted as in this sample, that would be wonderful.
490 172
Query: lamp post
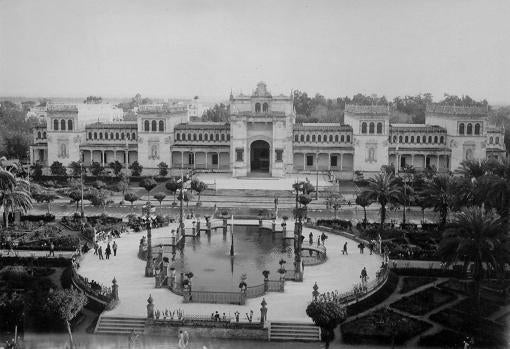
232 238
149 267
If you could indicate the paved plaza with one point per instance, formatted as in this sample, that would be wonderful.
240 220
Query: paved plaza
340 273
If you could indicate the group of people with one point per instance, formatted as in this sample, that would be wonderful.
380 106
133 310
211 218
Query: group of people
111 246
98 250
320 239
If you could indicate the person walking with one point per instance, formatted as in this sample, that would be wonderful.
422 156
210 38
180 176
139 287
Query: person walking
363 275
371 246
95 248
344 250
100 252
310 237
318 240
323 238
361 247
114 248
182 343
52 249
108 251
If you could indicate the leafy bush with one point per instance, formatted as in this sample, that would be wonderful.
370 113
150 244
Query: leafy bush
47 217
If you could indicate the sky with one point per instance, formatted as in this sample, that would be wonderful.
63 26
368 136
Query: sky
208 48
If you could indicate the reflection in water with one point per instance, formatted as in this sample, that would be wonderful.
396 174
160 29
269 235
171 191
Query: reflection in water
255 250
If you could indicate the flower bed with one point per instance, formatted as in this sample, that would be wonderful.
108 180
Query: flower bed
423 302
413 282
487 333
468 306
379 327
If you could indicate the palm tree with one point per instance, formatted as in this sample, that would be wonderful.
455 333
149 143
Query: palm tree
440 193
473 168
476 237
16 199
383 188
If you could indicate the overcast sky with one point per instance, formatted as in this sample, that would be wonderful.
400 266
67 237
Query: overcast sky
206 48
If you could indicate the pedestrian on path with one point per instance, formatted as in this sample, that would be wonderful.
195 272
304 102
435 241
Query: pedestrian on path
95 248
363 275
114 248
52 250
323 238
100 252
310 237
361 247
344 250
371 246
318 241
108 251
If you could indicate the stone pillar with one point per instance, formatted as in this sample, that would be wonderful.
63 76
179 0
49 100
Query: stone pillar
150 308
225 225
341 161
263 311
260 222
115 290
273 226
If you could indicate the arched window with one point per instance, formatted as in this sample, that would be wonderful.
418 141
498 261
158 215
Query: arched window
296 138
39 134
206 137
491 140
189 136
371 128
128 135
400 139
313 138
228 137
364 127
62 125
497 140
154 125
222 137
217 136
430 139
331 138
441 139
325 138
302 138
257 107
178 136
194 136
477 129
211 137
336 138
379 127
44 135
424 139
161 126
394 139
106 135
111 135
100 135
406 139
265 107
70 125
348 138
95 135
417 139
200 137
116 135
122 135
55 125
469 129
308 138
412 139
146 125
319 138
342 138
435 139
133 136
461 128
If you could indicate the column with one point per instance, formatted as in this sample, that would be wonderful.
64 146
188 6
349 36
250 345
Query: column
206 160
218 160
412 159
194 160
102 157
304 161
126 158
437 167
182 159
329 164
316 161
341 161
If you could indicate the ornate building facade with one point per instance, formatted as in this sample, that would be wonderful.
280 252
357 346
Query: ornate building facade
262 138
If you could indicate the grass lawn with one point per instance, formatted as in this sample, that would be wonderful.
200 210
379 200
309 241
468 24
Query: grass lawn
413 282
423 302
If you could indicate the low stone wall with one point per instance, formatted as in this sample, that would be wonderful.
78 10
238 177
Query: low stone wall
237 331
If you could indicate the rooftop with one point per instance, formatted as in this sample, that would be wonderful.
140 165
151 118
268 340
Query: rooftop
456 110
322 127
367 109
62 108
416 128
203 126
112 125
160 108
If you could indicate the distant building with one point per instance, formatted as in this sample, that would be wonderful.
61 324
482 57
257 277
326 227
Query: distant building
262 137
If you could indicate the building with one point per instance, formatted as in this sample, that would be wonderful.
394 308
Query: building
262 138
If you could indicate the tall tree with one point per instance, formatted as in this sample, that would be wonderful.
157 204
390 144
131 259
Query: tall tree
440 194
163 169
66 304
96 169
148 184
363 200
58 169
172 186
117 167
160 197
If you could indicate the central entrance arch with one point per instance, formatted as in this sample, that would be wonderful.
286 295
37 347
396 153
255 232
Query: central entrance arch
259 156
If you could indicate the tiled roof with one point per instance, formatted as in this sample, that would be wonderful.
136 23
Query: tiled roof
456 110
367 109
203 126
112 125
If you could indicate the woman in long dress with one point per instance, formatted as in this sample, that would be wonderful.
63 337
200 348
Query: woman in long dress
182 343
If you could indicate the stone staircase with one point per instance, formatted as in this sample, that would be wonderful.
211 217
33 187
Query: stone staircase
288 331
119 325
